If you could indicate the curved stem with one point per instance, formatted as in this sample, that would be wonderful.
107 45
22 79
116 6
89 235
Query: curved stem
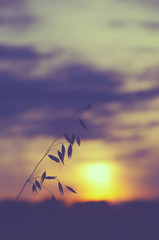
22 189
35 169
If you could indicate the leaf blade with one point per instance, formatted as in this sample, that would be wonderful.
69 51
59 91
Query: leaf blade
54 158
60 188
71 189
53 198
78 140
60 156
82 123
88 106
43 177
72 138
34 188
37 184
69 151
67 138
50 177
63 150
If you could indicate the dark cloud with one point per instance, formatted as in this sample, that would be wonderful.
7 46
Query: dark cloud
8 52
11 4
88 78
143 153
18 21
15 15
79 86
71 88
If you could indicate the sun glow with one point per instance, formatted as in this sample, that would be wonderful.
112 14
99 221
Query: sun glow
97 180
98 173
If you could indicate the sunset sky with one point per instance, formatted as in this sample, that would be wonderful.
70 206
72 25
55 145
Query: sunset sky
58 56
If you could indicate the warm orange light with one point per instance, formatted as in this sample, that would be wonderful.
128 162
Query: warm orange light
96 180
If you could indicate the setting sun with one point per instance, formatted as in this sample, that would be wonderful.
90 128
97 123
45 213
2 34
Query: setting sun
98 181
98 173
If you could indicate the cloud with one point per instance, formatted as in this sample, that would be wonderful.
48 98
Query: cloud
9 52
15 15
137 155
153 3
131 23
68 90
143 3
42 105
26 61
18 21
11 4
74 92
150 25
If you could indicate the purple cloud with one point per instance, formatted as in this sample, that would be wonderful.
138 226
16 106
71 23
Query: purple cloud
137 155
13 14
11 4
8 52
53 95
71 87
21 21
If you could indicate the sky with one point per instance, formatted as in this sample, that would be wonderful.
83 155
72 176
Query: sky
55 58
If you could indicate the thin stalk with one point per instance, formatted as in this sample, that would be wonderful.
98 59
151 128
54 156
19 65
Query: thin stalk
35 169
29 178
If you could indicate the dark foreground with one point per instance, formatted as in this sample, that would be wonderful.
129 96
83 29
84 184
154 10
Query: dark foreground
83 221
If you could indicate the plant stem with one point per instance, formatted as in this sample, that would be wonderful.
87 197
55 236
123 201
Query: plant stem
35 169
29 178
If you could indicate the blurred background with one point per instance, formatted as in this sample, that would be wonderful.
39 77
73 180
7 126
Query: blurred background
55 58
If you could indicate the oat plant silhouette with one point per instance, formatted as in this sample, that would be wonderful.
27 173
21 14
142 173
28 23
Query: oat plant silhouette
63 154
